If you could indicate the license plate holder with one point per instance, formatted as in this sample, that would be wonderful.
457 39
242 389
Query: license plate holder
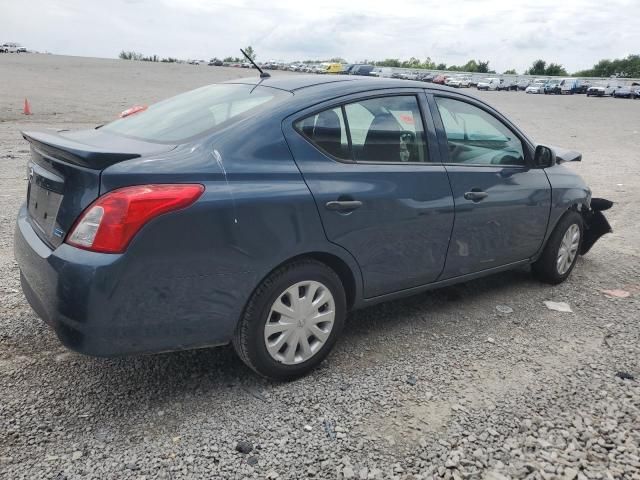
43 203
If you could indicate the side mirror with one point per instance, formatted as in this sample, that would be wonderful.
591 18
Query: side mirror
544 157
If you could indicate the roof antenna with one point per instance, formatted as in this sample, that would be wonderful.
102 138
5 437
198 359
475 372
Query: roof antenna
262 73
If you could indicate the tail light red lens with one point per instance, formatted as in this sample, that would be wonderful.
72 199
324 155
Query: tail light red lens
109 223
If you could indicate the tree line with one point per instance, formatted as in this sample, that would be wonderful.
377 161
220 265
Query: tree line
628 67
130 55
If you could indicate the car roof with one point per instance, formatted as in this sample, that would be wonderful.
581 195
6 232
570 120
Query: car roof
297 83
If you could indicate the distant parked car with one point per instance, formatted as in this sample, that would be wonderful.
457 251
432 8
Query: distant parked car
384 72
458 81
627 92
346 69
12 48
536 87
602 89
570 85
260 212
411 76
552 87
583 87
507 85
440 79
333 68
214 62
523 84
425 77
490 83
362 70
474 81
465 82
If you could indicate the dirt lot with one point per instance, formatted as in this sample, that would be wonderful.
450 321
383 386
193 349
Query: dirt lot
440 385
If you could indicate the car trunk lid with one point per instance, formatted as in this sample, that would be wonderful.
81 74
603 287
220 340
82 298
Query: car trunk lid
64 174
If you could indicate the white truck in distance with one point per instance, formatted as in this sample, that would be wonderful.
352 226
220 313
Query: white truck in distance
12 48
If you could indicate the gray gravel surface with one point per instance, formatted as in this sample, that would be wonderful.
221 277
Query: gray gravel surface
448 384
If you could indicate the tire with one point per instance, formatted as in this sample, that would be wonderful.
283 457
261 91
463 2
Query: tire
548 268
250 338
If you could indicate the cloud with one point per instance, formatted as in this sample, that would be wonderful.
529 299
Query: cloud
576 34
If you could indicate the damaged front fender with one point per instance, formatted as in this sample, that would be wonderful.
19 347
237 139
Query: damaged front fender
595 223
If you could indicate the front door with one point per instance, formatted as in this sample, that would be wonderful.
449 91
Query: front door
380 189
501 204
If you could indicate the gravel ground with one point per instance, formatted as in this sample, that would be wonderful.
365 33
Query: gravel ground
448 384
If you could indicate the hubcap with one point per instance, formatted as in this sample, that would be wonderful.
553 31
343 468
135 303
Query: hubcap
568 249
299 322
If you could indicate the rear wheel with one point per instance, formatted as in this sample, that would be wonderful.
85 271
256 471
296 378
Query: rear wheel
292 320
561 251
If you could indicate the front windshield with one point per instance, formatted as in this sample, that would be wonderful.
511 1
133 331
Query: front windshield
193 113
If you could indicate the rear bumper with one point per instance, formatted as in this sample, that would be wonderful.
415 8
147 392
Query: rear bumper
108 305
59 289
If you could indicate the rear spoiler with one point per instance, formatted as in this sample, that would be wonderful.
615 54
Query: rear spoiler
53 145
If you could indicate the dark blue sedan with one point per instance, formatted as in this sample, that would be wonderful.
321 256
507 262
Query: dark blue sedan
259 212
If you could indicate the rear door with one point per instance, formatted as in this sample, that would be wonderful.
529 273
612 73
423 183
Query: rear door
372 165
502 204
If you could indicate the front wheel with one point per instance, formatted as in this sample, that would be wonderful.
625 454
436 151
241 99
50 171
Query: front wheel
561 251
292 320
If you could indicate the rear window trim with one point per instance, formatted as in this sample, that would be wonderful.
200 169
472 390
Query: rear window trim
341 102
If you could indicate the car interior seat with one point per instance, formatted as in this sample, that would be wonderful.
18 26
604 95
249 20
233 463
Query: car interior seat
327 133
382 143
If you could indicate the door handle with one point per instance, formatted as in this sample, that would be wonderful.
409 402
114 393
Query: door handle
476 195
343 205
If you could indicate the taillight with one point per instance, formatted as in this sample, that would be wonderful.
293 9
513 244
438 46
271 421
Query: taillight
109 223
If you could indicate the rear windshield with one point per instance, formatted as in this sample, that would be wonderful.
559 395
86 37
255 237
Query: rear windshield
193 113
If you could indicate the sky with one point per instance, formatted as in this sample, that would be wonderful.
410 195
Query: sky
510 34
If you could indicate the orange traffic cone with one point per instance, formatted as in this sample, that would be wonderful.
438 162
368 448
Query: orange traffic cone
27 107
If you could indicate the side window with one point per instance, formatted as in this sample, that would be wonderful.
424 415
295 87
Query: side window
327 131
386 129
476 137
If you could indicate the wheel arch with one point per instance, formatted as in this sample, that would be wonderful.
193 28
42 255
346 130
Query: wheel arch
578 205
342 269
348 272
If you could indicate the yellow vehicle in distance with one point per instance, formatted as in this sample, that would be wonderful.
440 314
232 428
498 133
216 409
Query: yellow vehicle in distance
334 68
